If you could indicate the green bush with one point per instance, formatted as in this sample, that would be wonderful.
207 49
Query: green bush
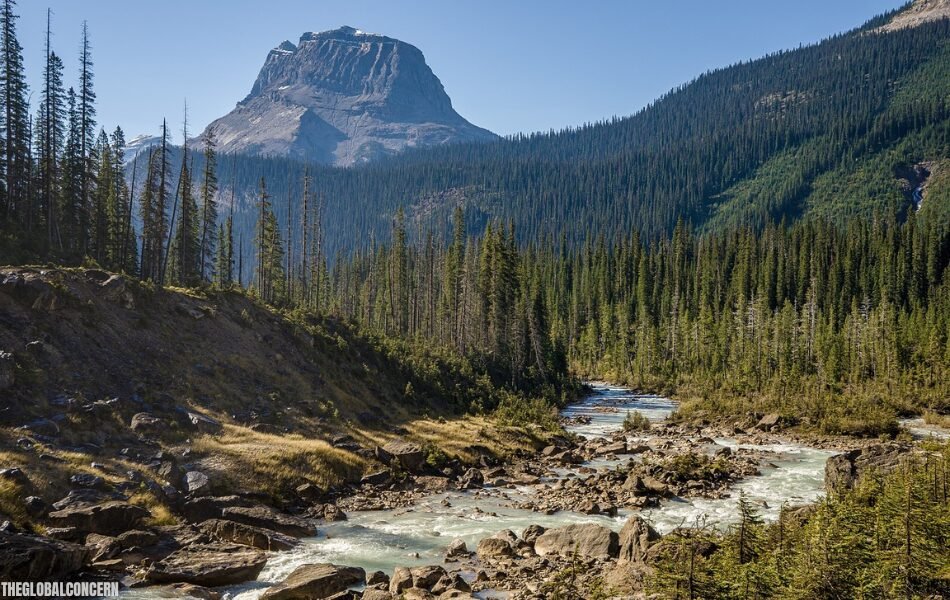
635 421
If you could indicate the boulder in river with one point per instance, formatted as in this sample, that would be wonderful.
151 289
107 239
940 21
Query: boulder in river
493 548
268 518
456 550
322 580
187 590
426 577
401 580
656 487
247 535
377 578
472 479
532 533
618 447
587 540
208 565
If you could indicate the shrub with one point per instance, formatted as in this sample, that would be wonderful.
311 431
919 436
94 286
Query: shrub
635 421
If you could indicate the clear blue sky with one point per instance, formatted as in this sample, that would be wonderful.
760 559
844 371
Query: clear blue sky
508 66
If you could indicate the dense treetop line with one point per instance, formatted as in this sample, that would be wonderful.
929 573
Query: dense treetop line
786 319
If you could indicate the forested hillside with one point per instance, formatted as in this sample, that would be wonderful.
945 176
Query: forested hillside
776 228
838 327
838 129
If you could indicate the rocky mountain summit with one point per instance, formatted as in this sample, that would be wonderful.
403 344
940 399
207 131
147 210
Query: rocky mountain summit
918 13
343 97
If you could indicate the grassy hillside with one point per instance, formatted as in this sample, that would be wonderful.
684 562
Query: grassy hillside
249 395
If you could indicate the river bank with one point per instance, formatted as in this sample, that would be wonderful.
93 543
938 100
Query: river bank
562 486
475 529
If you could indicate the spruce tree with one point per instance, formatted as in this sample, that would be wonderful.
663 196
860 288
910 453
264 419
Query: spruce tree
87 124
15 202
209 209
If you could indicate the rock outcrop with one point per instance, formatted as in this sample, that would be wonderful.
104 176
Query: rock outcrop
343 97
268 518
34 558
843 470
316 581
109 518
587 541
247 535
208 565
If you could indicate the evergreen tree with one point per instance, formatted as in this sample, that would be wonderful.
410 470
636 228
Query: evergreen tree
86 127
15 202
50 122
124 248
73 213
270 252
209 209
153 201
185 251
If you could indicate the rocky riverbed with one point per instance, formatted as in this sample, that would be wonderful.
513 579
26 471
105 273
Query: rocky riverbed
595 504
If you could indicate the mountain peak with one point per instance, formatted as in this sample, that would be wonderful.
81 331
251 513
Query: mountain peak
343 96
918 13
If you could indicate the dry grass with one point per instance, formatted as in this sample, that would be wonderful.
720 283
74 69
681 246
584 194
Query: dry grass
240 458
11 501
933 418
49 477
161 515
465 438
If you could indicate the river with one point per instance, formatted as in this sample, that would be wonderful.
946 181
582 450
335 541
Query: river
383 540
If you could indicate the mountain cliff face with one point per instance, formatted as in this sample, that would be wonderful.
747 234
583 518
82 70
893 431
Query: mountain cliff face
918 13
343 97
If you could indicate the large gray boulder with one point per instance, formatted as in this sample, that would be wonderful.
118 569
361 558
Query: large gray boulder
209 565
247 535
426 577
587 540
400 581
109 518
196 482
210 507
268 518
494 548
146 423
636 537
35 558
316 581
409 455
